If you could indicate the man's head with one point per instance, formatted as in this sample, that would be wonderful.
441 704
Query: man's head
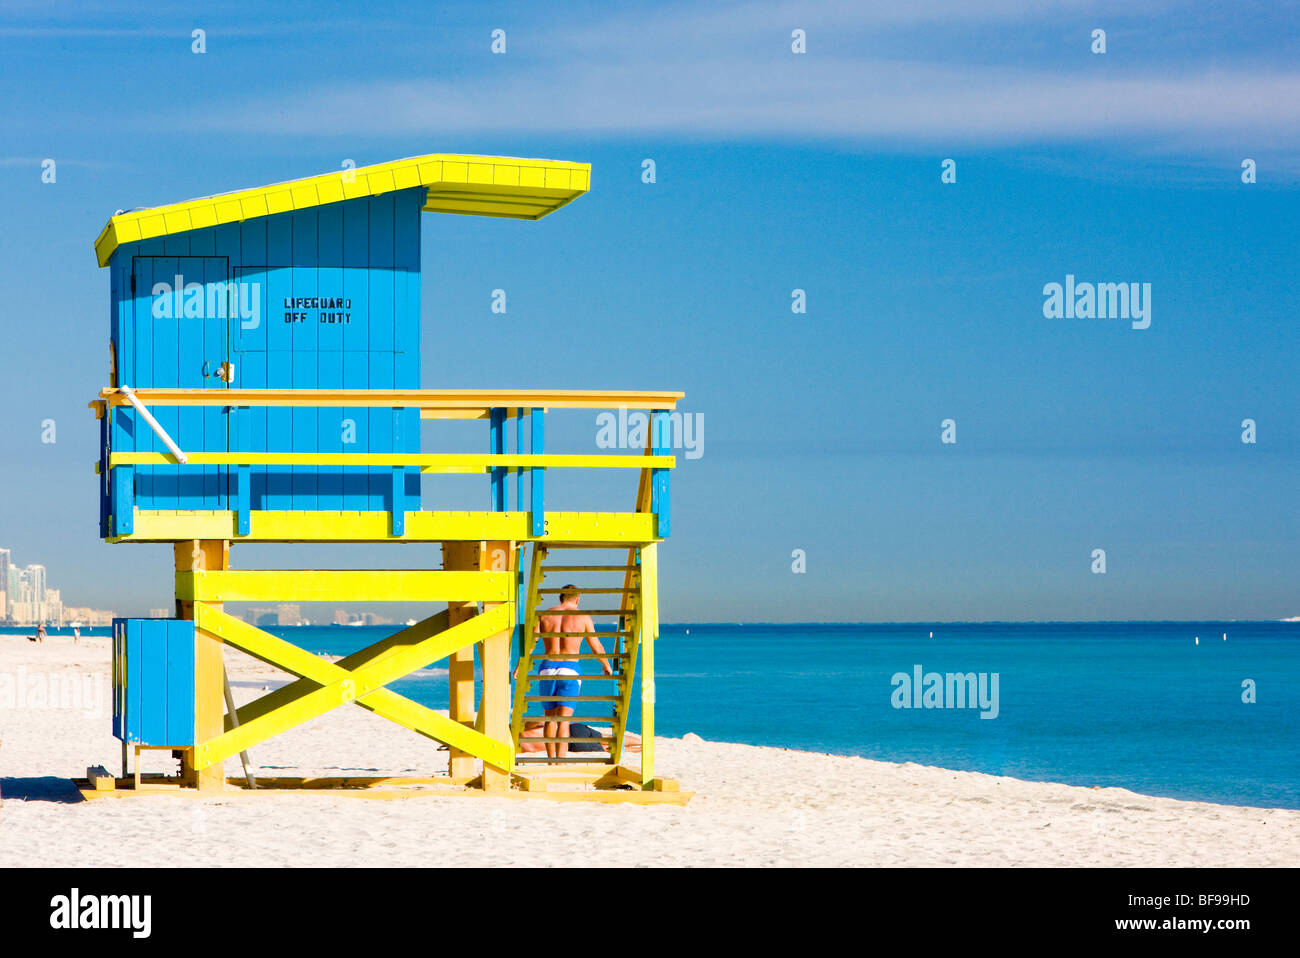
570 593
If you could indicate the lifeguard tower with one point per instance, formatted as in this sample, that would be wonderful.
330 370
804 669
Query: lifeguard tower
264 386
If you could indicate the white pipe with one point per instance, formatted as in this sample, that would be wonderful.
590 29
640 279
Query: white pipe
234 722
153 424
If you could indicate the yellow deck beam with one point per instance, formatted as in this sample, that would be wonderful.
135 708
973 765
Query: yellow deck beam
621 529
346 586
451 401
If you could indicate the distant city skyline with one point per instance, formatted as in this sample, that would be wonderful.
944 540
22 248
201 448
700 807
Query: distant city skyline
27 599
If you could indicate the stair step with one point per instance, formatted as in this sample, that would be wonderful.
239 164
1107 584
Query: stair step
602 719
597 677
590 568
574 635
556 656
571 698
588 592
545 760
627 612
600 547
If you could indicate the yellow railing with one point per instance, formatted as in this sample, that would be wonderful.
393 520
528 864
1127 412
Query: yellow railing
497 406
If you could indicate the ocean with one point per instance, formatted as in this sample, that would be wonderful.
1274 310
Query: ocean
1139 705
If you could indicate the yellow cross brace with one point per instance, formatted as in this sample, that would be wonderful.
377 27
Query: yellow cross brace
331 684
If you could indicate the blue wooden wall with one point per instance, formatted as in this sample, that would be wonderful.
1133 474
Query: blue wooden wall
364 252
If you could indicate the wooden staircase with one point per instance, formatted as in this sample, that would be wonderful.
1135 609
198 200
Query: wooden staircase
611 706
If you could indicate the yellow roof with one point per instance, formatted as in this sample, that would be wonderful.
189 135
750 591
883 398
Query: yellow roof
473 185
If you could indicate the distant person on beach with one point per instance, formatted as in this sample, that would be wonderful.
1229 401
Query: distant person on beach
563 630
40 633
76 635
598 739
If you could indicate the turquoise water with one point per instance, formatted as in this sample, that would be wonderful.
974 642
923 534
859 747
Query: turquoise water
1137 705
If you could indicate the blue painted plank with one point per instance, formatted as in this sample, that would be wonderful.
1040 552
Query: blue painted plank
519 448
252 241
380 429
179 705
216 276
279 433
153 679
659 477
356 376
497 445
537 493
123 500
397 501
330 432
104 501
134 684
118 679
160 485
305 432
251 315
243 499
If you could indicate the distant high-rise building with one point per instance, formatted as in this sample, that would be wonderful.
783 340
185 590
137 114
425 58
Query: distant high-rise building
161 613
13 590
5 564
289 614
53 610
35 590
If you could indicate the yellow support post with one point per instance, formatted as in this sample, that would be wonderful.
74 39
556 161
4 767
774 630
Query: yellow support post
193 556
649 632
494 709
460 556
525 665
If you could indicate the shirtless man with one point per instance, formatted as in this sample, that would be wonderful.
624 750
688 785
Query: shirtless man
565 682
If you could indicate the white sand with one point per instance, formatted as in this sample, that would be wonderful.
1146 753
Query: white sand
753 806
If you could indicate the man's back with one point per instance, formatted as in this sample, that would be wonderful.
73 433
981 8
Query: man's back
566 623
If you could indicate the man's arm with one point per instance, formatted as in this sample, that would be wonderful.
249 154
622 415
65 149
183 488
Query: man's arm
595 645
514 676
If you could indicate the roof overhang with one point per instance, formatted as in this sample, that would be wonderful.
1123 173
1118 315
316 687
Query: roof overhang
470 185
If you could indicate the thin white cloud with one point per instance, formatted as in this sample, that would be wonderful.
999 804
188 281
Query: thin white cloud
729 72
871 100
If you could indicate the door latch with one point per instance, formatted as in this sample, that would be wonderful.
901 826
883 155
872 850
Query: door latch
226 372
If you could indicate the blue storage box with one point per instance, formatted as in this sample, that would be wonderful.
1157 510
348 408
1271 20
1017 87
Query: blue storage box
153 682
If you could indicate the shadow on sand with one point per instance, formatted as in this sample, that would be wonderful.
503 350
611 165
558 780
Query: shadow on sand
47 788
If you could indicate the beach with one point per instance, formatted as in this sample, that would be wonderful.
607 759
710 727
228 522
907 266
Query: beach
754 806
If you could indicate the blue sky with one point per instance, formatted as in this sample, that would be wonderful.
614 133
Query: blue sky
775 171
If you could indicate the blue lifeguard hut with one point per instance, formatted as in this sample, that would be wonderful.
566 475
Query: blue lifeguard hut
264 386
